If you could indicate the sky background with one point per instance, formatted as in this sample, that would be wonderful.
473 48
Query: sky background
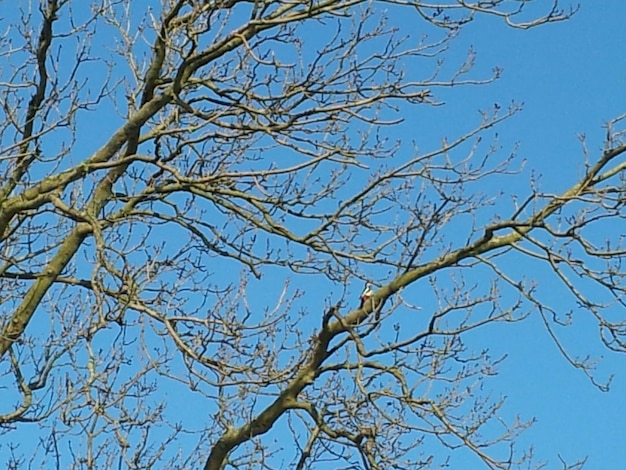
571 78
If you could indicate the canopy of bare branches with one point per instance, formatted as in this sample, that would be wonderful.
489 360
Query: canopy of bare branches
162 165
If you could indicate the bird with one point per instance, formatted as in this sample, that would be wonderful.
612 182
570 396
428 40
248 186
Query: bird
367 293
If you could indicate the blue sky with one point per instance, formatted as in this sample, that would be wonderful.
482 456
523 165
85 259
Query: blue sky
570 77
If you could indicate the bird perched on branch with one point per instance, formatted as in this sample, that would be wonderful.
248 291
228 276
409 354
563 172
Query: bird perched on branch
367 293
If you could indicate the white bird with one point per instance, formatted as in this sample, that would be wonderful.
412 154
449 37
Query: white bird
367 293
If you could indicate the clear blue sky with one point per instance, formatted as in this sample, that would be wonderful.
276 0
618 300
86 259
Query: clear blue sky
571 77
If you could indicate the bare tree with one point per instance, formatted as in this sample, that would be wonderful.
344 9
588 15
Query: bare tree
163 166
